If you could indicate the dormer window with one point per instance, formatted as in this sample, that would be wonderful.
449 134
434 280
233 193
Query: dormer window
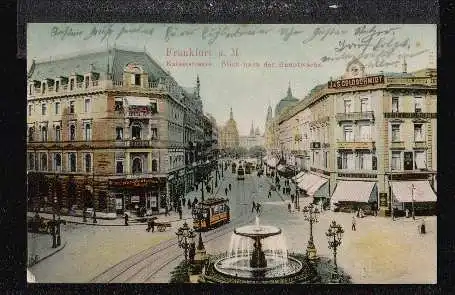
43 89
137 79
57 84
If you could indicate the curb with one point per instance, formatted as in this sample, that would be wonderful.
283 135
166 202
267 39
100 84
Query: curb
49 255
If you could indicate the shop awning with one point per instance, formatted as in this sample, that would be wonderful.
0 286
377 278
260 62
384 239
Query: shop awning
308 180
422 191
353 191
280 167
300 174
137 101
316 185
272 162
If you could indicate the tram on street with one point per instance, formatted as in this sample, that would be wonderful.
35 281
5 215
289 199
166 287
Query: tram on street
211 213
241 173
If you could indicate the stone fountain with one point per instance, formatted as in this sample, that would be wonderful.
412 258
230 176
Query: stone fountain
258 254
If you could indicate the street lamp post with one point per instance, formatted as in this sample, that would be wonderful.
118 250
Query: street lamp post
297 197
412 196
54 223
185 237
334 235
311 214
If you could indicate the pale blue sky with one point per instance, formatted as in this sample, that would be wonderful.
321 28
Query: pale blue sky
247 91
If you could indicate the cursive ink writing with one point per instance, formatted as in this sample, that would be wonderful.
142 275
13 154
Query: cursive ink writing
211 34
66 31
321 33
286 33
134 30
104 32
174 31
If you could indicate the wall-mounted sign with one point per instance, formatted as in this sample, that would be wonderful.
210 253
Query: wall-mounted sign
356 82
134 199
141 182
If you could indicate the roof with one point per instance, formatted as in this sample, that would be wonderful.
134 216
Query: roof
285 102
112 60
213 201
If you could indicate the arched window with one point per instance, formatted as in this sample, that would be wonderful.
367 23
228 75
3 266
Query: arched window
43 162
72 132
88 162
57 133
57 162
88 132
137 165
136 131
154 165
44 133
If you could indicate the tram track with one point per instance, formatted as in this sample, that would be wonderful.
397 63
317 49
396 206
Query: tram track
143 266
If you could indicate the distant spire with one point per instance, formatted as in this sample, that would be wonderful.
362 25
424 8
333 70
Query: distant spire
289 90
231 115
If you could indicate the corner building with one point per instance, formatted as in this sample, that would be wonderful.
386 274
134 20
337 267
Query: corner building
372 139
109 131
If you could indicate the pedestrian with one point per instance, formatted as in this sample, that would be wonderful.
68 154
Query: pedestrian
407 213
292 198
289 207
189 204
180 212
254 206
358 213
226 191
229 187
422 227
126 219
284 190
258 208
361 213
270 194
353 223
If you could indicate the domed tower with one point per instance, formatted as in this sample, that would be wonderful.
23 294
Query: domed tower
285 102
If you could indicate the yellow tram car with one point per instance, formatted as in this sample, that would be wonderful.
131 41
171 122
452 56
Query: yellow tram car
211 213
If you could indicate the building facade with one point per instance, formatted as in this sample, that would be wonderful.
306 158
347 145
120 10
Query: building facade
368 136
110 131
254 138
229 136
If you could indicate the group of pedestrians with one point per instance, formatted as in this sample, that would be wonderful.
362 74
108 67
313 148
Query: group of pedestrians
257 207
227 189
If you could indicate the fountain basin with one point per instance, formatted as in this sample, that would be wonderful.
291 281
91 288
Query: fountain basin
253 231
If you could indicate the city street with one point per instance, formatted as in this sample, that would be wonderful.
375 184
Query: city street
380 251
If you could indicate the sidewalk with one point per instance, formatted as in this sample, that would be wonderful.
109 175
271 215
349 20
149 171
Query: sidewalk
39 247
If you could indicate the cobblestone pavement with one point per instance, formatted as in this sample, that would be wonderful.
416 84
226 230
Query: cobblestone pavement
380 251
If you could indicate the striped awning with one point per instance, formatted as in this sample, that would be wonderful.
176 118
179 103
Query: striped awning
307 181
353 191
402 190
316 185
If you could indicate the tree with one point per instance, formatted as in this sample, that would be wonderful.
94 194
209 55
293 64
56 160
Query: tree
257 151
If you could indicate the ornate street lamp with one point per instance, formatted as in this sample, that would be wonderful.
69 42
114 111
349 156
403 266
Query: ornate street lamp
334 235
311 214
185 237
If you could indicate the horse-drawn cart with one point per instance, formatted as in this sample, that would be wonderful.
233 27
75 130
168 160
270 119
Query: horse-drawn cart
161 226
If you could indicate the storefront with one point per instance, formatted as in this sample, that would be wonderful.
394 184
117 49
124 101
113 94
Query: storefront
417 194
349 196
314 186
135 194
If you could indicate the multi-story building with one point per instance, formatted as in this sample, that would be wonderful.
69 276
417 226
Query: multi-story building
370 135
215 137
229 135
106 130
254 138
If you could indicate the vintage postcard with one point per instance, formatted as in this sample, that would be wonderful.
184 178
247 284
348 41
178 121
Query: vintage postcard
218 153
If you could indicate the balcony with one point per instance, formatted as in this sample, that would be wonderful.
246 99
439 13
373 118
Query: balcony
420 145
356 116
397 145
355 145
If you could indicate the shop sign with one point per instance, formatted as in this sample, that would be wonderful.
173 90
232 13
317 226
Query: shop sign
355 145
134 199
356 82
141 182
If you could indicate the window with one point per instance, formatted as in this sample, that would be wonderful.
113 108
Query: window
418 132
72 132
347 161
118 133
420 160
30 107
154 165
395 105
57 133
154 133
118 105
44 88
119 166
87 131
43 109
364 105
418 104
43 162
365 161
88 162
365 132
153 107
31 161
71 84
30 133
348 134
87 105
137 165
326 159
30 89
136 131
137 79
57 84
396 160
317 158
72 162
87 81
72 106
57 108
348 106
44 133
395 132
57 162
